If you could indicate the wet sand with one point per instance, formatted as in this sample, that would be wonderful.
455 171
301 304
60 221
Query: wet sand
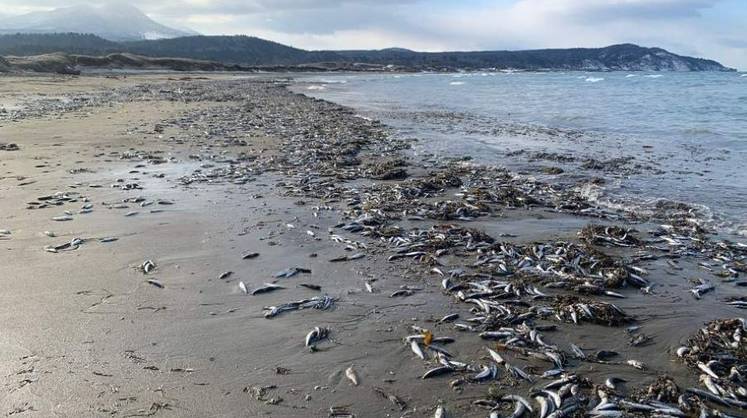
83 332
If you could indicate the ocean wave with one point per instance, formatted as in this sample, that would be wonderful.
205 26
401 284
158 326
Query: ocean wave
457 83
594 79
631 75
329 81
653 76
316 87
661 209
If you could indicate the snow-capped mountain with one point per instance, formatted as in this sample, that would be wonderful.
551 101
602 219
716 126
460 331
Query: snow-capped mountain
114 22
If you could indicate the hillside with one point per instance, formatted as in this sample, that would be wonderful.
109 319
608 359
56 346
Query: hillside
251 51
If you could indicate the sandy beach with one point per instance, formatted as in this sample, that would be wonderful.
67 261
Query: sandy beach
228 183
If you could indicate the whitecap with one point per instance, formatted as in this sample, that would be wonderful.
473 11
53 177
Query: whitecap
631 75
594 79
653 76
456 83
316 88
743 75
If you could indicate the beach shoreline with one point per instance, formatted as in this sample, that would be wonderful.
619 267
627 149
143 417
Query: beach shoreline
197 174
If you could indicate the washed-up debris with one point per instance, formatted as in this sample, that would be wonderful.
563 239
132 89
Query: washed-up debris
8 147
394 399
249 256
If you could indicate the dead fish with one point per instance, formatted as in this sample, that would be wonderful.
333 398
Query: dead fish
369 287
315 335
449 318
352 375
415 347
682 351
311 286
133 213
401 293
250 256
62 218
225 275
577 352
440 412
155 283
243 288
148 266
612 382
497 358
438 371
636 364
108 239
268 287
290 272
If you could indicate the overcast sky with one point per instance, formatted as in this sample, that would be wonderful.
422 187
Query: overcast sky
708 28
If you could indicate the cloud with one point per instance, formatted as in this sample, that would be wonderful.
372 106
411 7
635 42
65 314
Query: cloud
707 28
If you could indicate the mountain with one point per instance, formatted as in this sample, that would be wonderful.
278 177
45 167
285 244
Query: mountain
623 57
115 22
231 49
251 51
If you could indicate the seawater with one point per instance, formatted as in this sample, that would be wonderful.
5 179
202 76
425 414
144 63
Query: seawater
684 133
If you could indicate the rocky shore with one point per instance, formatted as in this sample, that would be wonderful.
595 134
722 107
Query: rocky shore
221 246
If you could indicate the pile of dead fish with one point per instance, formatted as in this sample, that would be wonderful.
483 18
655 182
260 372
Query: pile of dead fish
718 353
8 147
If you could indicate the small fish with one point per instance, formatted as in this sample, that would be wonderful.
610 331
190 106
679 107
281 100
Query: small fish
415 347
148 266
496 357
155 283
437 371
352 376
108 239
612 382
311 286
401 293
449 318
440 412
636 364
243 288
578 352
369 287
250 256
225 275
315 335
268 287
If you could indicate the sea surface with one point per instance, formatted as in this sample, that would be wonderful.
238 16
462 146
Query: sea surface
653 136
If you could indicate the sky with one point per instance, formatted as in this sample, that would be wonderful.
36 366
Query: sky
715 29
